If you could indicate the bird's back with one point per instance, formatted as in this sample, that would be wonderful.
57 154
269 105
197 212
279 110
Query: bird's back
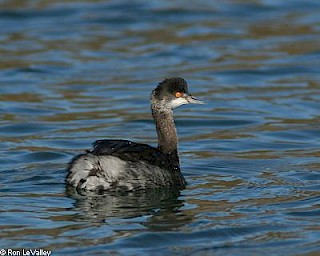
124 165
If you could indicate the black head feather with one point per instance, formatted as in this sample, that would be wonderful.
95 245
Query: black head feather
168 87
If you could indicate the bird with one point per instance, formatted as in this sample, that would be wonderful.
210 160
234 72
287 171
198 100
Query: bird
123 165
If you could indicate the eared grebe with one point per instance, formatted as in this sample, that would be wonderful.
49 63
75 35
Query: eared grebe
125 165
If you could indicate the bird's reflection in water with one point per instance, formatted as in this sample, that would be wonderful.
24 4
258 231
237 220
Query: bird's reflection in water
161 207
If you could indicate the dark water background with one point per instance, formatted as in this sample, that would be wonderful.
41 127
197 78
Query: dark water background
72 72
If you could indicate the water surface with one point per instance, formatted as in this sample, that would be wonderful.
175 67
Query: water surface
72 72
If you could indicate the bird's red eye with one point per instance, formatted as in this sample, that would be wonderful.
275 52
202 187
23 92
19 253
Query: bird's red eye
178 94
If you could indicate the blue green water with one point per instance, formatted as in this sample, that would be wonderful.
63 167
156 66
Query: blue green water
72 72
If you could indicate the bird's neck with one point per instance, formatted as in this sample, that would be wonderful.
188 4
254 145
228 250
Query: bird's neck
166 130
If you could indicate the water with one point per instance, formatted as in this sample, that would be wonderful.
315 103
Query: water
72 72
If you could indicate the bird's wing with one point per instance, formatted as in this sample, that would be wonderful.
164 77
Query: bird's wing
133 152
